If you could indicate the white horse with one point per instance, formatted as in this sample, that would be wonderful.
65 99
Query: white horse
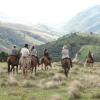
25 63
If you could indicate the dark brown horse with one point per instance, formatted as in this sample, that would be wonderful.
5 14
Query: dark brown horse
89 60
66 64
46 62
34 63
12 62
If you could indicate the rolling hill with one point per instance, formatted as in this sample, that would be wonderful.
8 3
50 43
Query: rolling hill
17 34
75 42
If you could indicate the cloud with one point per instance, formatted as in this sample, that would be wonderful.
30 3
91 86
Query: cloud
47 11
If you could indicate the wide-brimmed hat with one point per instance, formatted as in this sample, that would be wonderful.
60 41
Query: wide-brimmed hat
65 47
14 46
26 45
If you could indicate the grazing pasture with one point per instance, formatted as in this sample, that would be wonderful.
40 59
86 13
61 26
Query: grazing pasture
83 83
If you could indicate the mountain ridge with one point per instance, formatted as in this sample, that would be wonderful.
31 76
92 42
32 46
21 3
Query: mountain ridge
85 21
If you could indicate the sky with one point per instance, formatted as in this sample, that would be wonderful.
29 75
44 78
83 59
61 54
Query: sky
43 11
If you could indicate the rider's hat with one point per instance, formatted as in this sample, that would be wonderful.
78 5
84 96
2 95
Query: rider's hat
65 47
26 45
14 46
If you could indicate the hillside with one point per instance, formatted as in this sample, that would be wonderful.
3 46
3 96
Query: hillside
86 21
74 41
17 34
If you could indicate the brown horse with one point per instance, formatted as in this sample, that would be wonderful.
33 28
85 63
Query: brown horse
66 64
89 60
46 62
12 61
34 63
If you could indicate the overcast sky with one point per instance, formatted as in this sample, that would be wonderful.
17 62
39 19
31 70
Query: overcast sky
43 11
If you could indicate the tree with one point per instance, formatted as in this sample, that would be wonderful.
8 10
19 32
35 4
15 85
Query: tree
3 54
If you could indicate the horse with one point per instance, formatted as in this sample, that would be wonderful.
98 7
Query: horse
89 61
46 62
25 63
66 64
12 61
34 63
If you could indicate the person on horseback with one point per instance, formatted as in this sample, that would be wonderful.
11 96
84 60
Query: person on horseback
34 53
24 51
13 60
25 62
46 54
65 54
90 55
14 51
46 60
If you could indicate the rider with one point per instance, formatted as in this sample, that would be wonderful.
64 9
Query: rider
46 54
24 51
65 54
34 53
14 51
90 54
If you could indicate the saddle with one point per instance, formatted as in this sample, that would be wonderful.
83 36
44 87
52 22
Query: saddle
67 60
13 59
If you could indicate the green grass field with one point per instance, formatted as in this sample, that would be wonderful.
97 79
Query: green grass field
83 83
85 49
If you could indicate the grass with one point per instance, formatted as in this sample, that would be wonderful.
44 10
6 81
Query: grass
82 84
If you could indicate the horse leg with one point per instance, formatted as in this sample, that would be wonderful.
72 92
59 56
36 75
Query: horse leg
12 68
66 70
89 64
92 64
35 69
85 64
8 68
24 73
50 65
32 69
17 69
26 70
20 66
41 66
45 67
